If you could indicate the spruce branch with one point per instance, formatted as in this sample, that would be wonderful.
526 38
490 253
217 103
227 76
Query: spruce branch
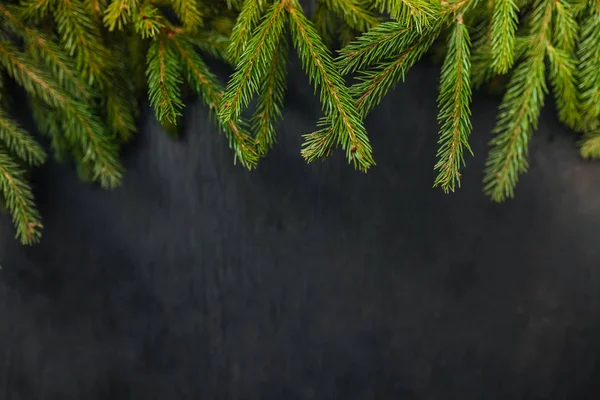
45 48
519 111
189 13
19 142
348 129
564 85
81 37
78 118
247 21
253 64
355 13
565 28
119 13
270 99
590 145
206 84
148 21
375 46
19 200
504 28
373 84
419 14
588 53
164 76
454 103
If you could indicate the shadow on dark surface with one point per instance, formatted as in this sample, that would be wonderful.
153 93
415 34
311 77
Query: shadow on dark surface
200 280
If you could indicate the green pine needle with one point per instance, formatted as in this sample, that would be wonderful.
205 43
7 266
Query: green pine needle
373 84
519 112
246 23
148 21
454 103
504 28
338 106
590 145
206 84
589 71
419 14
19 201
19 142
375 46
355 13
564 85
118 14
189 13
82 38
164 76
253 64
270 100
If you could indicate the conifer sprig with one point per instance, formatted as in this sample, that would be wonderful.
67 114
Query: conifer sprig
588 73
504 28
355 13
19 142
270 100
204 83
590 145
164 77
253 64
454 108
247 21
415 13
519 111
348 130
19 200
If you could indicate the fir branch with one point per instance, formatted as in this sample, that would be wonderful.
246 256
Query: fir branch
78 118
375 46
48 122
348 130
148 21
270 100
504 28
454 103
36 9
19 142
590 145
565 28
519 111
119 13
414 13
564 87
81 37
355 13
213 43
251 69
374 84
588 53
189 13
206 84
247 21
19 200
51 54
163 74
121 110
326 23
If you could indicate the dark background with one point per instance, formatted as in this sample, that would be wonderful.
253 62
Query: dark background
200 280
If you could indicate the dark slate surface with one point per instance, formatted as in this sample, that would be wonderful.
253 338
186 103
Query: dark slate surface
199 280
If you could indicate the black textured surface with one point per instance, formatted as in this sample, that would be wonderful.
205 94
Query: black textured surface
199 280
